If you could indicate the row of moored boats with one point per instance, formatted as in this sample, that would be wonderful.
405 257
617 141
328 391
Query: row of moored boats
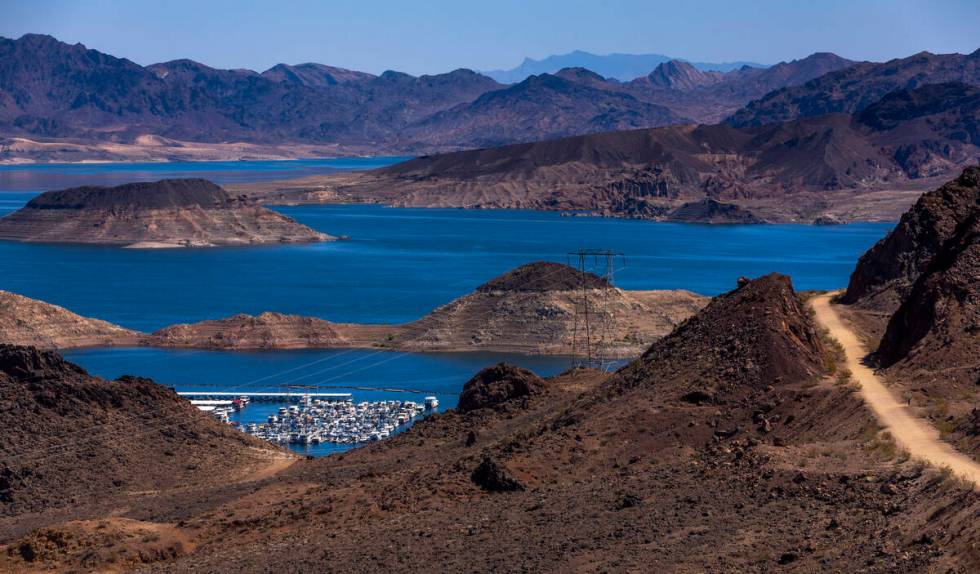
314 421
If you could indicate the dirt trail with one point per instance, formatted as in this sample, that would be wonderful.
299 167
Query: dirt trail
914 434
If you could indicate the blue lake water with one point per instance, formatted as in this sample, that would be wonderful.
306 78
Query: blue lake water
47 176
398 265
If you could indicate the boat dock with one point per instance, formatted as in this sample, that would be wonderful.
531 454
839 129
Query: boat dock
276 397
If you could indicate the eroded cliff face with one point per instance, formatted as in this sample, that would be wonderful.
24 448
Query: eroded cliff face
885 275
167 213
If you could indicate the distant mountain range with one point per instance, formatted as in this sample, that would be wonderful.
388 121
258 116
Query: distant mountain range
56 97
622 67
799 170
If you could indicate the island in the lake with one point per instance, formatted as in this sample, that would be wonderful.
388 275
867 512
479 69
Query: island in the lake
166 213
538 308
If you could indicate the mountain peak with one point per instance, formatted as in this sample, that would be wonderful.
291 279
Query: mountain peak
681 75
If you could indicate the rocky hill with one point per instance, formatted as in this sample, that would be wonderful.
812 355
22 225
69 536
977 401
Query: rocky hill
884 276
167 213
75 444
851 89
724 447
865 166
936 329
537 308
25 321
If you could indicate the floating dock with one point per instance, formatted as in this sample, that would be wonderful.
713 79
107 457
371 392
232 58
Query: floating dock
278 397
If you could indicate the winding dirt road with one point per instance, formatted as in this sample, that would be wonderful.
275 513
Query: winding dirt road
910 432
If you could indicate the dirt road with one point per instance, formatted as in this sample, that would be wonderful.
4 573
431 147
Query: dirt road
910 432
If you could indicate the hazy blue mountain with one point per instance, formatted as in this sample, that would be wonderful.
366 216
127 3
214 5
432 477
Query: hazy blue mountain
623 67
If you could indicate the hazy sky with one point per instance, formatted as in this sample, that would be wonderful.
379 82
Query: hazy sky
435 36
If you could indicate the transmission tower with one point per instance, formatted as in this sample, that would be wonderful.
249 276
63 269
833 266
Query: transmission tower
594 355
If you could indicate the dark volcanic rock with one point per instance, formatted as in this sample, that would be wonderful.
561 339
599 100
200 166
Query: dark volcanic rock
23 363
937 326
712 211
542 276
491 476
163 194
885 274
497 385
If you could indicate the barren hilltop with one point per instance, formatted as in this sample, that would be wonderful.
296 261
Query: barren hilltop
166 213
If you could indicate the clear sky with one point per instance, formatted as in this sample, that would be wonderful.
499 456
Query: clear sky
431 36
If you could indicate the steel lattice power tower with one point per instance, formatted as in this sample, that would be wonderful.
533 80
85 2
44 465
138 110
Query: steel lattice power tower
589 348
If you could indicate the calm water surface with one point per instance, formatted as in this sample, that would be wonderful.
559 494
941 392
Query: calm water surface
398 265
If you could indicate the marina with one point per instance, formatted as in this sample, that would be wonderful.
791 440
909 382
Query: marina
316 421
317 418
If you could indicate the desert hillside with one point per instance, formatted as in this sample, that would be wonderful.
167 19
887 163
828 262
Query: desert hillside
79 446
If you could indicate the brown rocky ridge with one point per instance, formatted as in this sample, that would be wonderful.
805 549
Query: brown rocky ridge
775 469
869 165
166 213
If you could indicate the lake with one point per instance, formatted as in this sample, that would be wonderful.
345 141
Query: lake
398 265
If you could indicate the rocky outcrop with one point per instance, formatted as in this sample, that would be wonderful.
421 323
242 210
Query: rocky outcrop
492 477
884 276
937 327
167 213
25 321
712 211
541 277
498 385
